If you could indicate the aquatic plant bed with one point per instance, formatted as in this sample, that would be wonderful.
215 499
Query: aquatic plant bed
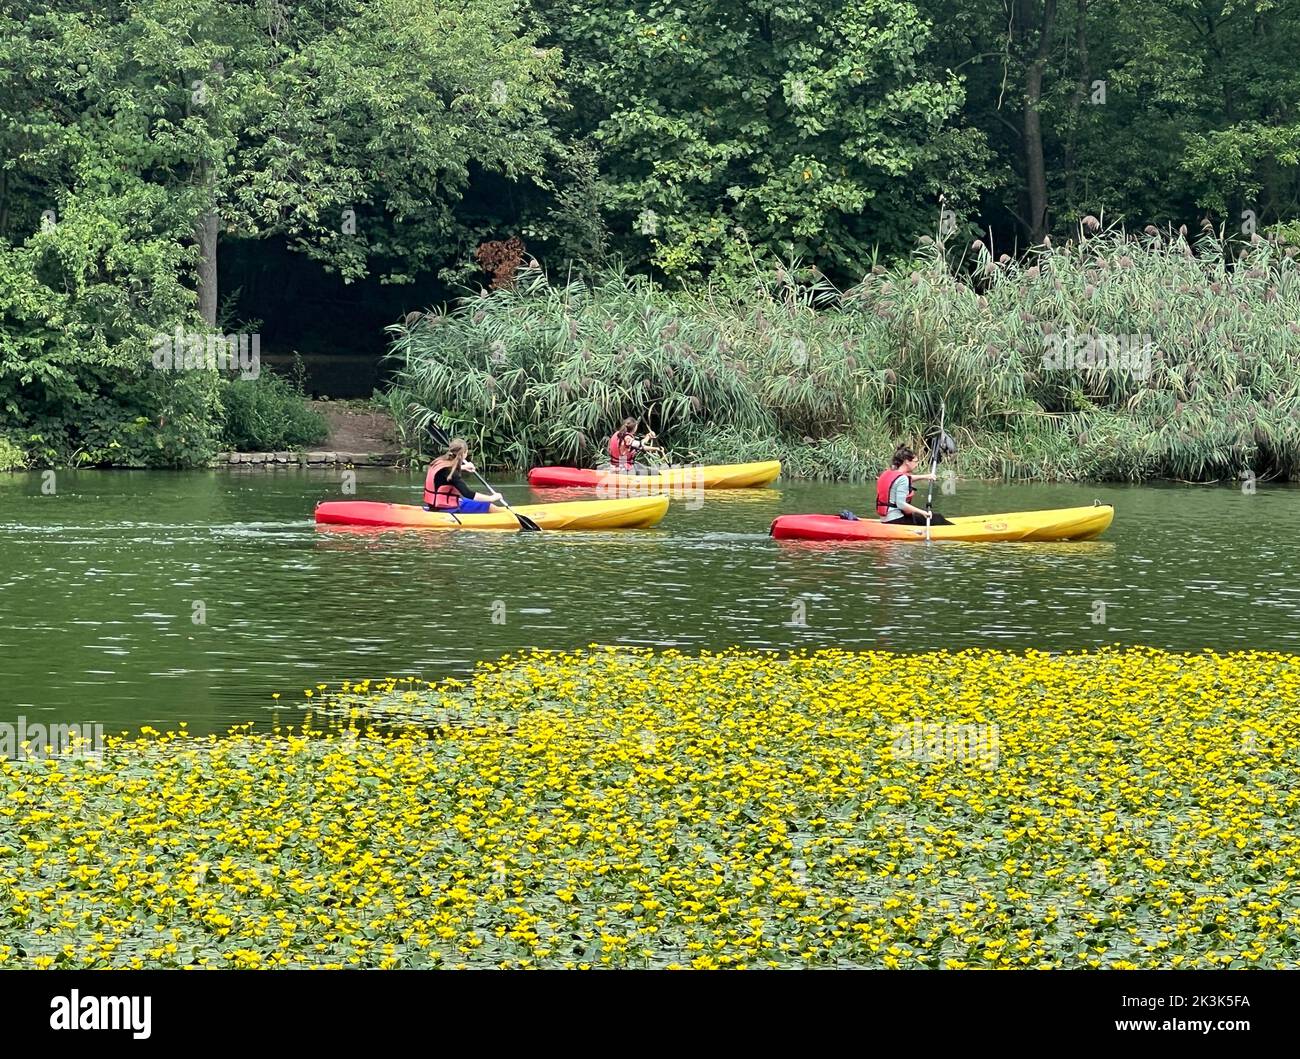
1121 808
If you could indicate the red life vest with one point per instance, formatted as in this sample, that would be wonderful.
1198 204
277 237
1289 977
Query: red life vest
440 497
621 450
883 486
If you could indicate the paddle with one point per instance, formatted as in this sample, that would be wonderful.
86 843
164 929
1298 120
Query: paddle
440 436
941 440
645 438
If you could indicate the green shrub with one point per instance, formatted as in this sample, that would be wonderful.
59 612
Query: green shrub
269 413
107 416
11 456
81 303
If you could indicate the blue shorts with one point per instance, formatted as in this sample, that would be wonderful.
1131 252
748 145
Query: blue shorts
474 507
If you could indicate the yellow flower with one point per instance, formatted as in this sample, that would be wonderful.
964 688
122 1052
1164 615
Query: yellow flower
631 808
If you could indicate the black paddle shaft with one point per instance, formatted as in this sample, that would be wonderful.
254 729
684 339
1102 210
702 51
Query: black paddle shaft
934 457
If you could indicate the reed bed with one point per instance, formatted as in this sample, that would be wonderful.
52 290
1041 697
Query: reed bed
1116 356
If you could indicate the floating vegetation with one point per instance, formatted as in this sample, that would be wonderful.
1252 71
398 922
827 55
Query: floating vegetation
614 808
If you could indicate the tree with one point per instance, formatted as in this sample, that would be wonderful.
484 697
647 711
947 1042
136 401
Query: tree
374 118
1150 112
821 131
1034 27
134 134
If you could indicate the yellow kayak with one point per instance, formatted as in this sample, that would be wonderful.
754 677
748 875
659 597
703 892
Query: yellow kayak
1057 524
702 476
631 513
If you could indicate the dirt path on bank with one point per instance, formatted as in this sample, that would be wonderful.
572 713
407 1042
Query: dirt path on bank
356 429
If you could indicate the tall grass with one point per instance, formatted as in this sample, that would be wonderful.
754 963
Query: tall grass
830 380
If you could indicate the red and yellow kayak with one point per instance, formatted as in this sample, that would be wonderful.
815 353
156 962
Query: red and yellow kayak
703 476
631 513
1057 524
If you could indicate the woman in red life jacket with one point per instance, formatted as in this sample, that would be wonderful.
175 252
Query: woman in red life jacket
445 489
894 491
624 446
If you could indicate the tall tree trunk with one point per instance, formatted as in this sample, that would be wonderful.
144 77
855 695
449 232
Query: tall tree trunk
205 231
208 223
1035 170
1082 92
1081 45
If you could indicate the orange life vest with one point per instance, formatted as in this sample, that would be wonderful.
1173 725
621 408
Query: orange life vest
440 497
621 450
884 484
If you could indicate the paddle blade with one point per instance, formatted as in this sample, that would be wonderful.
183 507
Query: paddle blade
526 524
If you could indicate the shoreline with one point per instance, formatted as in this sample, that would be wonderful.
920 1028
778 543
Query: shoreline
401 462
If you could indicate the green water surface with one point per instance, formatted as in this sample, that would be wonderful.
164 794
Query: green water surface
130 598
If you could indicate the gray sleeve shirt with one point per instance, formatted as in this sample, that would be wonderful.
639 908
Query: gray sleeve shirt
897 495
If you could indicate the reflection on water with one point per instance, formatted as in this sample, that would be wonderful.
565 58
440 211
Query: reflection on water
102 586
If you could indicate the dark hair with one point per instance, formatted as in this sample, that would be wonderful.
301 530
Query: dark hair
628 427
901 455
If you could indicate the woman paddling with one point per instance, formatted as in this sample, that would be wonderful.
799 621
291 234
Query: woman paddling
445 489
624 447
894 491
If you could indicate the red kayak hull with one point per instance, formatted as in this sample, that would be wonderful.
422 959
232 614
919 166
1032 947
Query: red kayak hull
561 477
1057 524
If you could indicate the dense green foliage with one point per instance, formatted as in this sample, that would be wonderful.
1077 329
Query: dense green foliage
388 139
824 130
1148 112
269 414
831 129
1111 357
546 371
131 130
11 455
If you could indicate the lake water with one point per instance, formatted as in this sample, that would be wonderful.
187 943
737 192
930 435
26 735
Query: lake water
130 598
